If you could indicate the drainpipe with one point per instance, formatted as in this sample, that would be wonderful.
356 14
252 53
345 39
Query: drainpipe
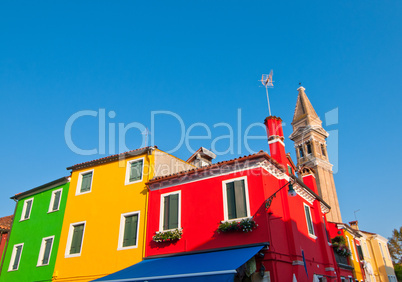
149 152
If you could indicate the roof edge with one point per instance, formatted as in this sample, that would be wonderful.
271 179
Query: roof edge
44 187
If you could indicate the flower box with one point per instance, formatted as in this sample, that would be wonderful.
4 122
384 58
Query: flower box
244 225
167 236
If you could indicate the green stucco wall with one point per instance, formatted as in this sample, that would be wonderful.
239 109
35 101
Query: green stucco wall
41 224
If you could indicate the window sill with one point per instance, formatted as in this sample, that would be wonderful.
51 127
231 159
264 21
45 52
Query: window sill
53 211
312 236
236 219
25 219
72 255
170 230
133 182
127 248
82 193
39 265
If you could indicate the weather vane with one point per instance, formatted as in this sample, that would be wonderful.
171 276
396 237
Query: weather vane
267 81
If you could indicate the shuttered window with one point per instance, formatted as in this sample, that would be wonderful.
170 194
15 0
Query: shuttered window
171 212
45 251
55 200
86 182
309 220
26 211
15 257
130 230
136 170
76 241
236 199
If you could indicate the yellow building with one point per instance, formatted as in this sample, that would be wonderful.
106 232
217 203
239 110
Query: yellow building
377 263
354 260
105 218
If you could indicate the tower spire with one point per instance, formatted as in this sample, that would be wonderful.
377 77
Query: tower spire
311 150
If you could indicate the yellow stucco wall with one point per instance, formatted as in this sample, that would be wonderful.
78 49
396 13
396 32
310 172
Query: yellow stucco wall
354 259
101 209
382 260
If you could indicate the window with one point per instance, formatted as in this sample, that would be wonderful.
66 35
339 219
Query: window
75 239
323 150
45 251
309 220
134 171
326 230
235 197
170 211
55 200
350 248
15 257
308 145
301 153
26 210
84 183
365 246
360 252
128 236
289 170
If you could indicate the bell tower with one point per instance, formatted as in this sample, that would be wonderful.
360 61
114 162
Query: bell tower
311 151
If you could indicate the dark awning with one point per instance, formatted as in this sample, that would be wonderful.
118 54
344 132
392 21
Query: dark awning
209 266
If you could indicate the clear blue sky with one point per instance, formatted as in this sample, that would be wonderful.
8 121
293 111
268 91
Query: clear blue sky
202 60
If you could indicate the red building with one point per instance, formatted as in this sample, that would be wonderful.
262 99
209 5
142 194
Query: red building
5 226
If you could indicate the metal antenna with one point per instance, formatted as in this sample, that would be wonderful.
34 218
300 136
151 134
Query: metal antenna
146 133
266 80
355 213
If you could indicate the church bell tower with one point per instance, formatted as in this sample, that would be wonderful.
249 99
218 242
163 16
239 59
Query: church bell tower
311 151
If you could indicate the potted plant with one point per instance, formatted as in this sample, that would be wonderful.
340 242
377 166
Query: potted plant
244 225
167 236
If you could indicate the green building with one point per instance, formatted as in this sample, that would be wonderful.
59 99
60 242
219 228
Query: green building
35 233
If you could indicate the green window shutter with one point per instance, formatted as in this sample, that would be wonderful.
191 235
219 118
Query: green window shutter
136 171
28 209
289 169
17 257
166 213
48 247
86 182
56 200
130 230
240 195
230 195
309 221
173 211
77 239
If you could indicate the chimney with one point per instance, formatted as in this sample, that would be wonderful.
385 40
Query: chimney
275 139
202 157
353 225
307 175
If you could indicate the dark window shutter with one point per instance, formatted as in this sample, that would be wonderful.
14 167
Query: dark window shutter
309 221
240 195
136 171
289 169
173 211
48 246
130 230
17 257
56 200
77 239
86 182
230 194
166 213
28 209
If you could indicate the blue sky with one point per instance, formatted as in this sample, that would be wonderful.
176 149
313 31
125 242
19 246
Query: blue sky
202 61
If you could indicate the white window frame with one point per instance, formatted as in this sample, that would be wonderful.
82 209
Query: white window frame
225 201
42 251
312 222
13 254
121 232
24 209
128 170
368 252
70 239
79 182
350 247
52 200
162 209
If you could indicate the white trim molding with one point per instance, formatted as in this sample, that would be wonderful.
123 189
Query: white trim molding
162 209
42 251
225 204
70 239
121 231
24 209
52 199
79 182
13 254
128 171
